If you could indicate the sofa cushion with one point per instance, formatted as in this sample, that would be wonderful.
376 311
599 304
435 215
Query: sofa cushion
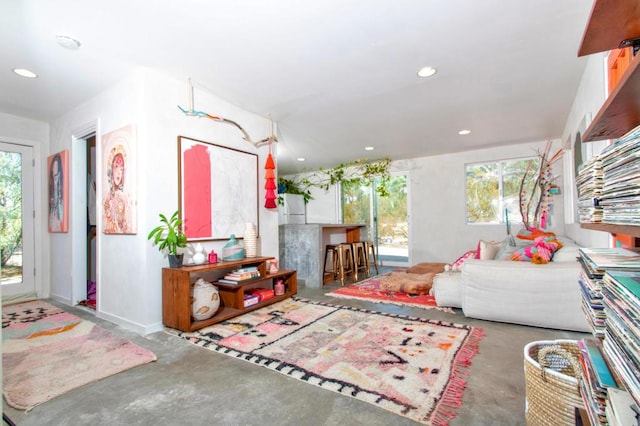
487 250
447 289
569 251
506 249
521 293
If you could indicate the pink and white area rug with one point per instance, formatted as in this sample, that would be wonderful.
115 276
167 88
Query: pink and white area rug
47 352
413 367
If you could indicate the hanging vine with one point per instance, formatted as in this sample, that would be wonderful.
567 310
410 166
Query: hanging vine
357 172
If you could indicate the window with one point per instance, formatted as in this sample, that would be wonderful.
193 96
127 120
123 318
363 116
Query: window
493 188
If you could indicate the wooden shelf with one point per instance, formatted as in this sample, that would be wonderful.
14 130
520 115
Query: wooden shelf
621 111
633 230
611 22
176 291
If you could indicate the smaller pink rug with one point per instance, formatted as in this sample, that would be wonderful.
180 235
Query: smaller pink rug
369 290
47 352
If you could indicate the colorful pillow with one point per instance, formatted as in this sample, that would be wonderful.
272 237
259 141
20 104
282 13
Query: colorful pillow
457 265
540 252
533 234
487 250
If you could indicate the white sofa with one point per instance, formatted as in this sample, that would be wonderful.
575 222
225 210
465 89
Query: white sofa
518 292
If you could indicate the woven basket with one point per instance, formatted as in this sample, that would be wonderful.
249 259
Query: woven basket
552 371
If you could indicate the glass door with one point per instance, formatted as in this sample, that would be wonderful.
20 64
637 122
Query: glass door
17 242
386 217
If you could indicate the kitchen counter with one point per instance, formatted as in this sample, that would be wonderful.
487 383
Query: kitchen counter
302 247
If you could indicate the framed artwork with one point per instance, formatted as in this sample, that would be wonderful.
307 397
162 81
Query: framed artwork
58 177
218 190
119 202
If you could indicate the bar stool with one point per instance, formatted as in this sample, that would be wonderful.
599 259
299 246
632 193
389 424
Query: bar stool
343 261
330 250
370 250
361 260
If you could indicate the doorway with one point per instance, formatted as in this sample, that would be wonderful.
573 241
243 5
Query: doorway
387 217
84 221
17 222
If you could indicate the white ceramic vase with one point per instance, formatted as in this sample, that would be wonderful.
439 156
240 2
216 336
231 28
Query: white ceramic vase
250 240
199 257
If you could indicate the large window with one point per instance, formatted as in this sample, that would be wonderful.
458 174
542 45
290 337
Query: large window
493 188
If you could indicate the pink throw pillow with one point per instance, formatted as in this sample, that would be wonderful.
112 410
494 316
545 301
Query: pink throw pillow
457 265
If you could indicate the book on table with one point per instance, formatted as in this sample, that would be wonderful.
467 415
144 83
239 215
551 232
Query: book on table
250 300
225 280
242 276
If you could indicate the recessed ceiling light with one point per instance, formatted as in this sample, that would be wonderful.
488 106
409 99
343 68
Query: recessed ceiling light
426 71
464 132
301 158
369 148
68 42
25 72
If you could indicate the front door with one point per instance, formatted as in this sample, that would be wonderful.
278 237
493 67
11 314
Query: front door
17 244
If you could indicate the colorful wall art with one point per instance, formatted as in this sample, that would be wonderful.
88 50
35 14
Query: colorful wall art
218 189
58 179
119 203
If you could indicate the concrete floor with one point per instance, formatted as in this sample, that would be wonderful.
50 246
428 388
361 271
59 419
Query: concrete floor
190 385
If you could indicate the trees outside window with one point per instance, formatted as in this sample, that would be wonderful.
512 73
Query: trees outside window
493 188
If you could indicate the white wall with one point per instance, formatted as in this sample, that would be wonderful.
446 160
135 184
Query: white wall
129 268
34 133
591 94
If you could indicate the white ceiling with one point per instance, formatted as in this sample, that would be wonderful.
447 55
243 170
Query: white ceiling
336 75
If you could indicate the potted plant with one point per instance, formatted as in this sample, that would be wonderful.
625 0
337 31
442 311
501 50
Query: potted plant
169 236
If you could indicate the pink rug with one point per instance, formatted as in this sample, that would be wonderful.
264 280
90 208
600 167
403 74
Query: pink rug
413 367
47 352
369 290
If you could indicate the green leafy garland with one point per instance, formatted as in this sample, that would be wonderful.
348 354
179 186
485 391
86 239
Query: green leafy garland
357 172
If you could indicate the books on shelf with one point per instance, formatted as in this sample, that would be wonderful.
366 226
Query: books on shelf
250 300
262 293
242 274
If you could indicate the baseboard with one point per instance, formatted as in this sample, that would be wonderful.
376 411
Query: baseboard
130 325
63 300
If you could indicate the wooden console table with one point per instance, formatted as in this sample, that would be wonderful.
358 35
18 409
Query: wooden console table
176 291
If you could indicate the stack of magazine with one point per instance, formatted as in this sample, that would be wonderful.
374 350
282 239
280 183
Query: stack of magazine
622 336
597 380
589 184
610 285
620 200
595 262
